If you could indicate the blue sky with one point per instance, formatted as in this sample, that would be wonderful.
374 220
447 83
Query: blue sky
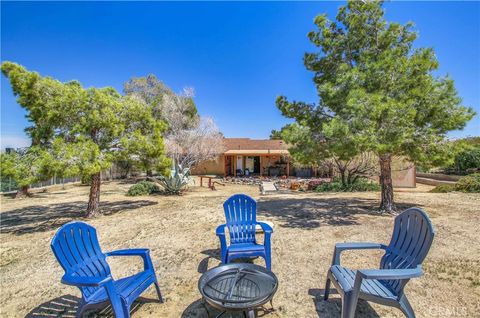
238 56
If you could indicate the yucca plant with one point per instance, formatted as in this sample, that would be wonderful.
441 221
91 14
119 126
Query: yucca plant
177 181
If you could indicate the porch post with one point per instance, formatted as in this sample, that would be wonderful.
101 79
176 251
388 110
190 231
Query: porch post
261 168
288 167
224 166
235 166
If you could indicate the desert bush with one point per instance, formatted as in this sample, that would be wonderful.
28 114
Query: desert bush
443 188
361 185
468 159
143 188
470 183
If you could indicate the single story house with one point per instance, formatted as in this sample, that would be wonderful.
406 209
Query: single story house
245 156
266 157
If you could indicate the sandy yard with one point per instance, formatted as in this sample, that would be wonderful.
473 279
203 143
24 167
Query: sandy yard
180 232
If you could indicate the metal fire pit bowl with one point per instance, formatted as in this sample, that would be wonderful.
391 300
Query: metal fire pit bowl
238 287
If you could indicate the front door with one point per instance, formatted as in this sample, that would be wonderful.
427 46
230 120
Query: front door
240 162
256 164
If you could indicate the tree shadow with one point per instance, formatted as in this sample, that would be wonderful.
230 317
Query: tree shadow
312 212
333 306
40 218
67 305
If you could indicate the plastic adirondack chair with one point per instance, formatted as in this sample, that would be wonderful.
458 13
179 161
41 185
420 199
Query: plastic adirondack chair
76 248
412 237
241 214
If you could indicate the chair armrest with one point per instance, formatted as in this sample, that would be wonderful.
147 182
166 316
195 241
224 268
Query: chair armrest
265 227
220 231
340 247
144 253
129 252
267 230
391 273
68 279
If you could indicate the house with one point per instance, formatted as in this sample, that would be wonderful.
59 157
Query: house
266 157
245 156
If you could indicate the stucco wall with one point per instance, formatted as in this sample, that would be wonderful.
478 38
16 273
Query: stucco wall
214 167
404 178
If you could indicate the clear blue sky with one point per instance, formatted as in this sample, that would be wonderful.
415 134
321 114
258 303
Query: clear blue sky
238 56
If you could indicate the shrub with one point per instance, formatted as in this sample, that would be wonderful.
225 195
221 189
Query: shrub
468 159
143 188
443 188
470 183
361 185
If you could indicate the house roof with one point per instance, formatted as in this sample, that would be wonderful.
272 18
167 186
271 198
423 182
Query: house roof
255 146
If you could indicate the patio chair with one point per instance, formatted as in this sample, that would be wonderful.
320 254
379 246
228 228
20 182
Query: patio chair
76 248
412 237
240 212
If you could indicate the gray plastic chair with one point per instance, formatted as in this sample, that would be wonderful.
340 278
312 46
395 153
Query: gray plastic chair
412 237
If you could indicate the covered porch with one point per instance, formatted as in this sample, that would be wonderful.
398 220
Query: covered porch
256 163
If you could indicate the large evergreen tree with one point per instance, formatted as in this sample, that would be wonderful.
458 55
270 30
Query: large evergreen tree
377 92
96 125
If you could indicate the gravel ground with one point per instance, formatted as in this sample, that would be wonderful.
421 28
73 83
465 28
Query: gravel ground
180 231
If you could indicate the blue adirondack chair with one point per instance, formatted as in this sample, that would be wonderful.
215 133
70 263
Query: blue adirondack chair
241 214
412 237
76 248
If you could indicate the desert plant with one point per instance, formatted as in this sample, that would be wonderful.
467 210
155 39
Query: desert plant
361 185
143 188
177 181
470 183
443 188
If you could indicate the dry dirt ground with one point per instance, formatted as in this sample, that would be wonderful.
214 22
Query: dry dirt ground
180 232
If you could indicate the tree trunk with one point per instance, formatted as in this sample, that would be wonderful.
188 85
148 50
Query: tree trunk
387 204
344 181
93 208
149 173
22 192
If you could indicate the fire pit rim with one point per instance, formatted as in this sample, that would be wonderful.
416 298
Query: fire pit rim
234 306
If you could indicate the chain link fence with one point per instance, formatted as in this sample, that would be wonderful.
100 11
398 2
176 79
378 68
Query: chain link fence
7 184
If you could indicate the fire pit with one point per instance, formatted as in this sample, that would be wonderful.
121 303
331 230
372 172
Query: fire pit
238 287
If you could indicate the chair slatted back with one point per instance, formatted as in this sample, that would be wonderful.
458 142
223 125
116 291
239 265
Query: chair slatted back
412 237
241 214
76 248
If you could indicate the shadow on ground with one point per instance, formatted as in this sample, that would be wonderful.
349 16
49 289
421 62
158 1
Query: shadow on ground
67 305
312 212
198 309
333 306
40 218
212 259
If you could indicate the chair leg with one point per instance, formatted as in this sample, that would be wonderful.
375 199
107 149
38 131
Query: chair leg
406 308
80 310
224 257
327 289
120 308
268 262
159 294
349 305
